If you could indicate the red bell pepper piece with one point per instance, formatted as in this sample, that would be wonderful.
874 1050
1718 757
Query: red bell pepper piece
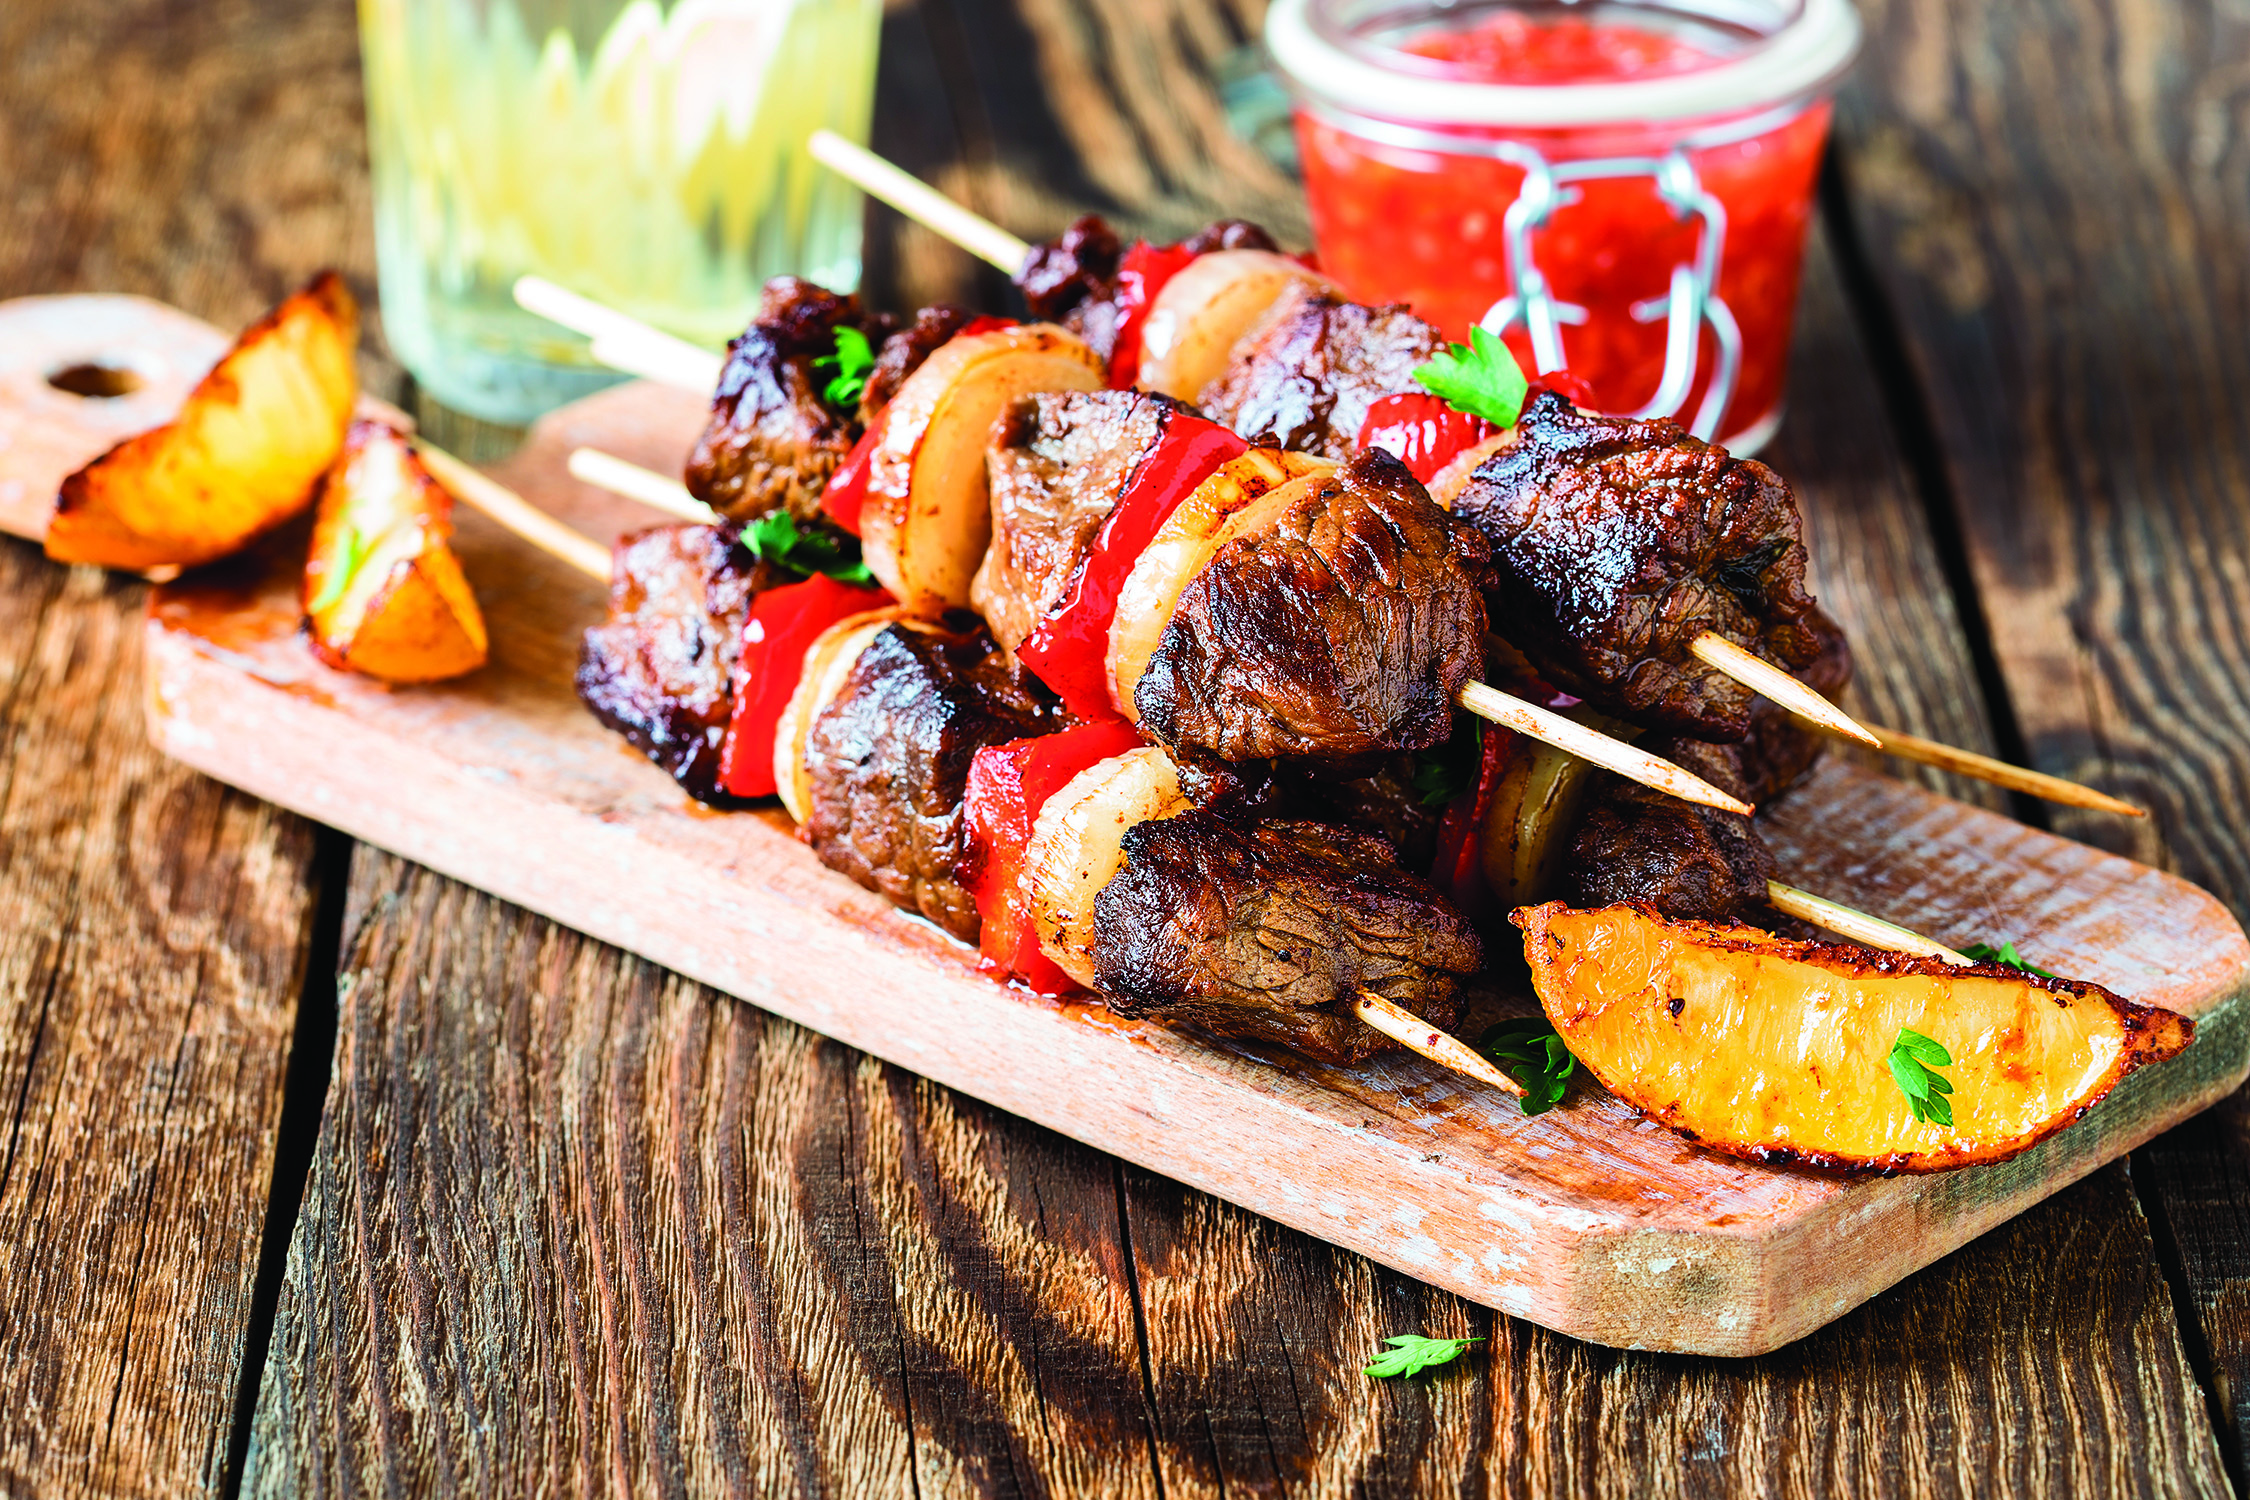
782 626
1459 868
1575 389
1069 649
1141 274
847 487
1421 431
983 323
1008 785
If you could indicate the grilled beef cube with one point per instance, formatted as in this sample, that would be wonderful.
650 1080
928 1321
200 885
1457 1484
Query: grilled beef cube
890 761
1306 373
1072 279
1268 929
1342 630
902 354
658 669
1378 797
1689 862
1616 542
772 440
1058 465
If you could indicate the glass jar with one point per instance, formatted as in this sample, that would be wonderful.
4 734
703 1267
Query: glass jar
1621 190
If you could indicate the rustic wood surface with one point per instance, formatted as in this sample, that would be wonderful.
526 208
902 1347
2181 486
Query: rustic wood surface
209 156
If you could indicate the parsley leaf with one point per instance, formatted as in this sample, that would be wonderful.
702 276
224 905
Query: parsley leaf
1914 1060
1481 378
333 582
1445 772
1410 1354
1985 953
774 538
853 358
1529 1051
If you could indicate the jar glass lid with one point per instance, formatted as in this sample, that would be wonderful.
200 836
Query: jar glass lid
1357 55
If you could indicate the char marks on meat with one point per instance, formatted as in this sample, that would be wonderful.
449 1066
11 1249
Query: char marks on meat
1616 542
1059 463
1306 374
1268 929
1376 797
890 757
659 669
772 441
1072 279
1343 629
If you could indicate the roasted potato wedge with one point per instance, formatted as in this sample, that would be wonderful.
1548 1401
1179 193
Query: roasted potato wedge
1078 846
383 591
244 454
1244 494
927 518
1780 1051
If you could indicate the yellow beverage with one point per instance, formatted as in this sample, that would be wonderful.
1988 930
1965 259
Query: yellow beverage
650 157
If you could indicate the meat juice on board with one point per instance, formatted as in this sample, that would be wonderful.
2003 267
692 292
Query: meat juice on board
1405 209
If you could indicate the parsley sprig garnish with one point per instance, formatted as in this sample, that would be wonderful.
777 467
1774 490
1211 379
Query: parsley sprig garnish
1445 772
1410 1354
1529 1051
853 358
1915 1060
1481 378
1985 953
774 537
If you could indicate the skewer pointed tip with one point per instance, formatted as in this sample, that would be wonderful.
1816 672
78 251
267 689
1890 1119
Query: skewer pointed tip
1439 1046
1845 921
1611 754
2000 773
1761 676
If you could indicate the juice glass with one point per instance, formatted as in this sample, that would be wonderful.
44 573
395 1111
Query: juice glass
651 157
1618 189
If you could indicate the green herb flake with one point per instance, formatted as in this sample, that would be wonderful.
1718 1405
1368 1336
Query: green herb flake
1481 378
1410 1354
1914 1061
1530 1052
1985 953
775 538
853 358
333 582
1450 770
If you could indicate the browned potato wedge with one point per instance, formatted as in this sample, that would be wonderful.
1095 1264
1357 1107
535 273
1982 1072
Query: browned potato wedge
1243 495
1078 846
383 591
252 440
1203 312
1779 1051
927 518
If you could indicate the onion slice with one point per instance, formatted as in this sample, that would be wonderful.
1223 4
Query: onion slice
1203 312
1077 847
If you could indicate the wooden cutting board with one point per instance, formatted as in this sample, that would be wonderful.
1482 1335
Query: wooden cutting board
1585 1219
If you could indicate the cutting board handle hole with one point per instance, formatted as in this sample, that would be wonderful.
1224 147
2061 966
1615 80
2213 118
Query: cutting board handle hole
102 382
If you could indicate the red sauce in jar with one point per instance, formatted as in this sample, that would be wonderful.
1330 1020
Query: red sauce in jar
1396 224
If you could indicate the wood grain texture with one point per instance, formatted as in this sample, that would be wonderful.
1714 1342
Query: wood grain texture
152 928
2051 195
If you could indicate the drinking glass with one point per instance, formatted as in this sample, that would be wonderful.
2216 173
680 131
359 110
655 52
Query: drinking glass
651 157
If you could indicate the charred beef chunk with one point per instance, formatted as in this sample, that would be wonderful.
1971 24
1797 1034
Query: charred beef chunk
902 354
772 440
1267 929
890 761
1617 542
1377 797
657 669
1344 629
1307 372
1058 465
1689 862
1072 279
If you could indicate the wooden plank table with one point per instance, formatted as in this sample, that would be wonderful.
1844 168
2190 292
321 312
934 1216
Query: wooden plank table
567 1221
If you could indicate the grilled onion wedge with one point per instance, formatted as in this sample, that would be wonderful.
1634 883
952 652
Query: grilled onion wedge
1077 847
1204 311
928 514
828 661
1779 1051
243 455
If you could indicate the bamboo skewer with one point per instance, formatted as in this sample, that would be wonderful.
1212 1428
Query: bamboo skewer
1761 676
1872 932
620 341
1511 712
608 472
1441 1047
919 201
516 513
1999 772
